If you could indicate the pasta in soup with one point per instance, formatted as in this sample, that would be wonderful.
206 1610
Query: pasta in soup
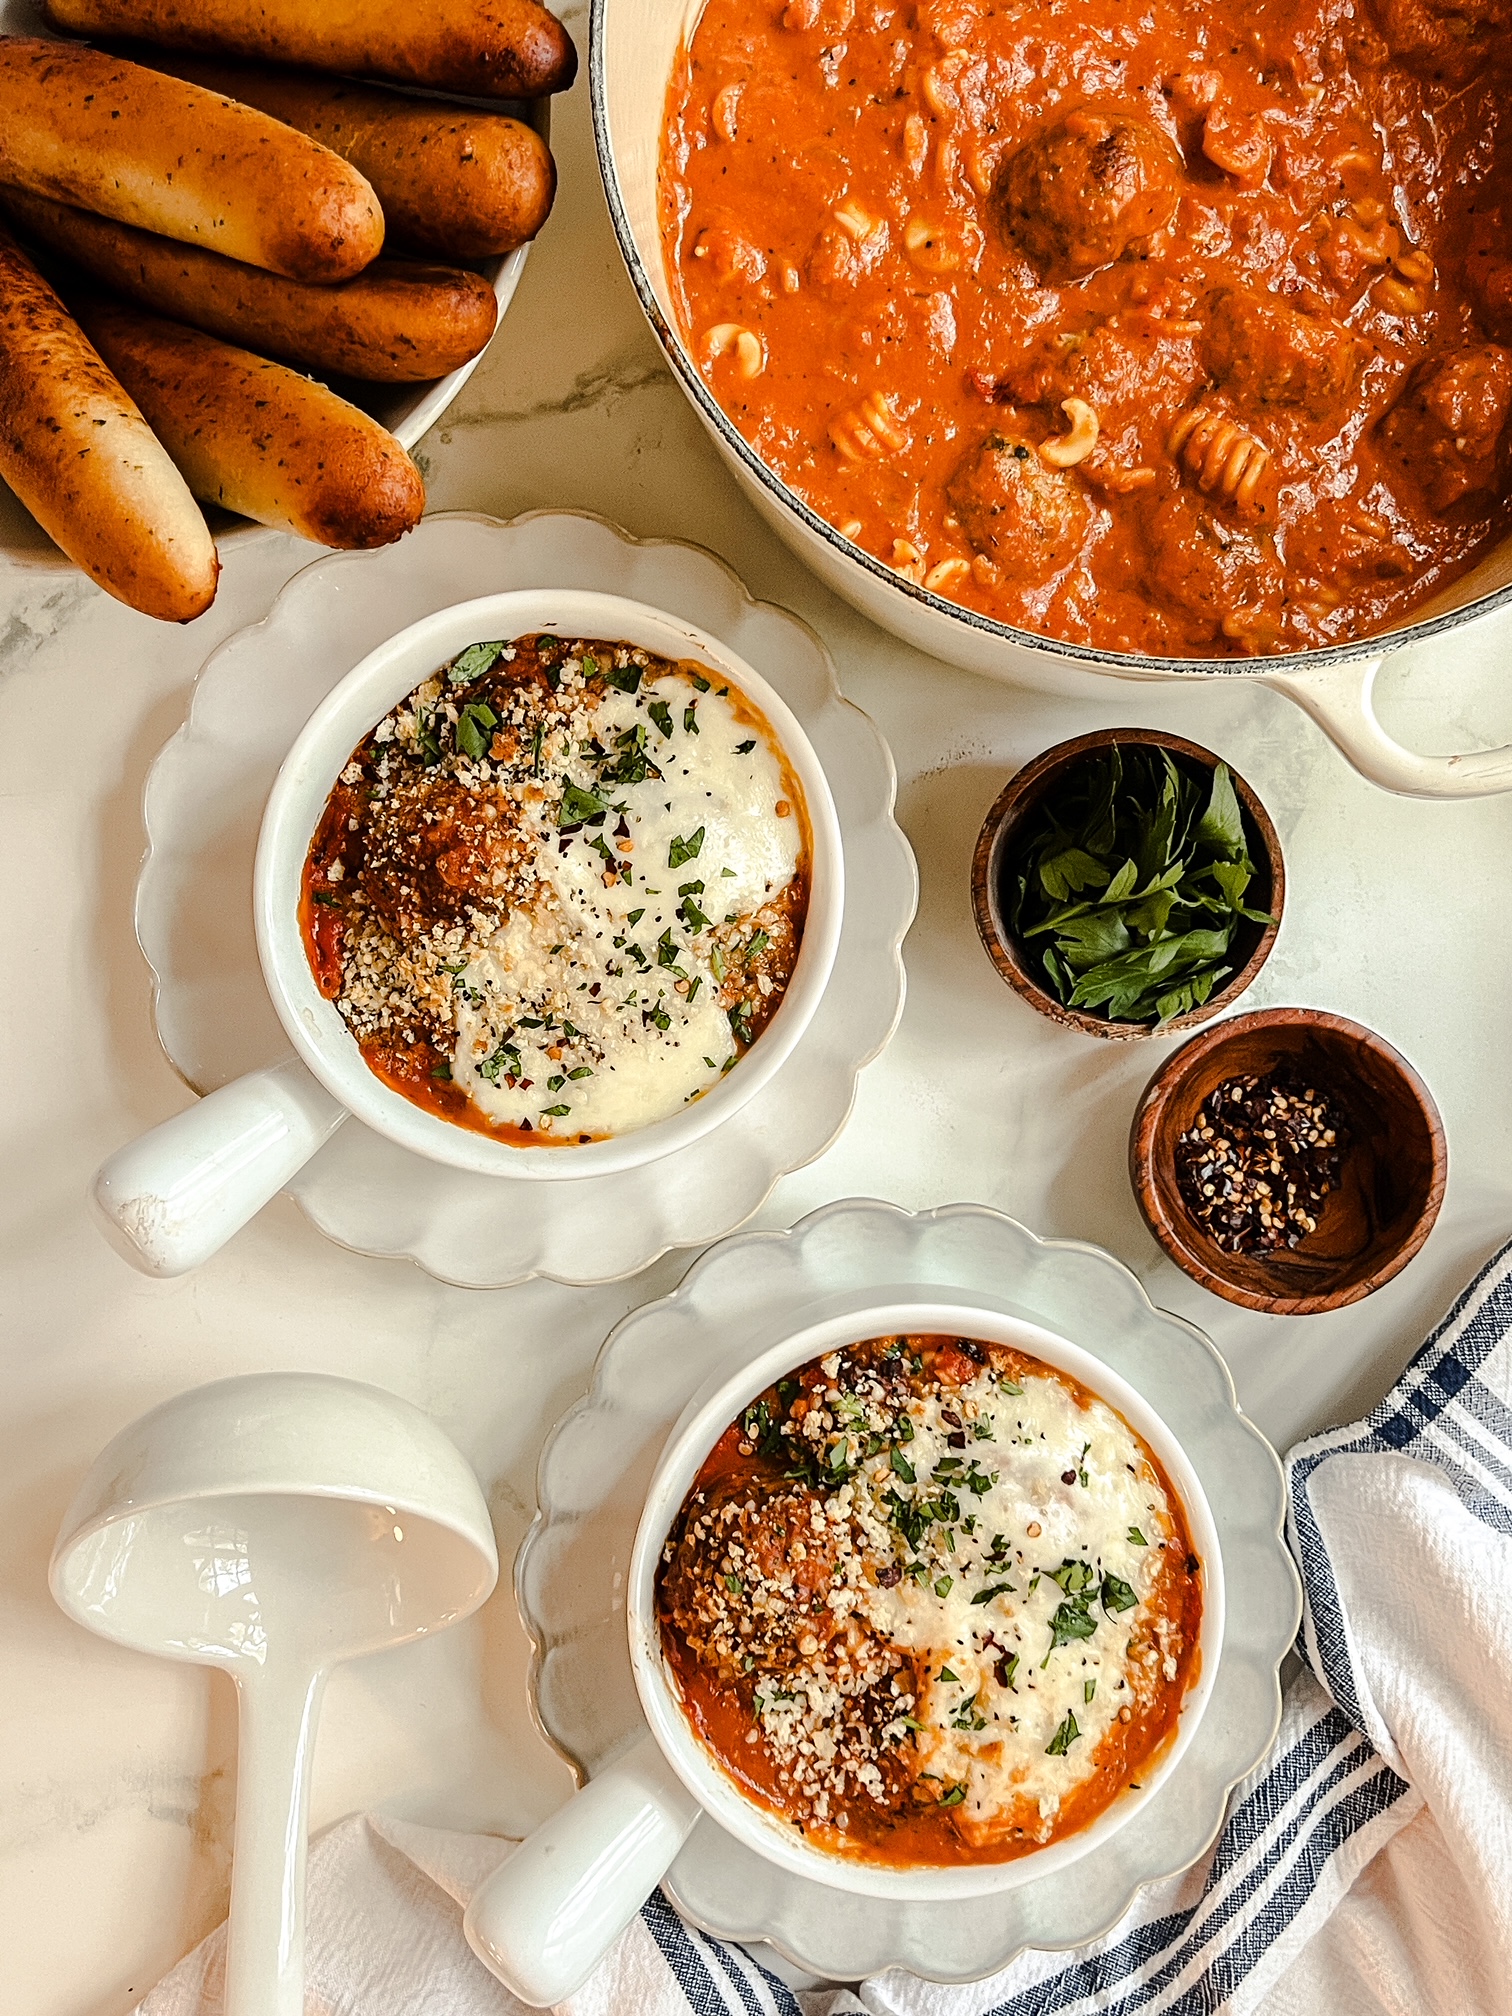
1165 330
931 1601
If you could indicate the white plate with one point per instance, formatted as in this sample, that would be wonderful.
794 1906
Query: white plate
204 802
570 1574
408 411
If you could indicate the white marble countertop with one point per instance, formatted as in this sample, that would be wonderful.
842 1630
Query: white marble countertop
117 1772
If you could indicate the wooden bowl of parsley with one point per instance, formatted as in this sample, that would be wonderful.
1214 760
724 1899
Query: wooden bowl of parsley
1128 883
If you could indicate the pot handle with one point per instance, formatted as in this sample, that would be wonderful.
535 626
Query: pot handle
176 1195
1339 699
549 1913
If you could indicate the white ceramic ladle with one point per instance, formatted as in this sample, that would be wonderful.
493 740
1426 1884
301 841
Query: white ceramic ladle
273 1526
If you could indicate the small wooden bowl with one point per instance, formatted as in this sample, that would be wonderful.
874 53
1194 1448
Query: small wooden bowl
1021 796
1391 1182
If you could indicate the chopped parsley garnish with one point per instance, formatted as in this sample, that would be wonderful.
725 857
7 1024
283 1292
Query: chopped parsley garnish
661 714
1071 1621
943 1587
901 1467
1089 1688
685 850
474 662
1064 1737
579 805
946 1674
1116 1594
1074 1576
690 718
759 942
626 678
745 748
1137 1538
506 1058
996 1589
475 725
967 1715
953 1795
554 1112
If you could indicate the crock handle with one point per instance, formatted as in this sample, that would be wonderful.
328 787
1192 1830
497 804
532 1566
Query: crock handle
176 1195
1339 699
548 1914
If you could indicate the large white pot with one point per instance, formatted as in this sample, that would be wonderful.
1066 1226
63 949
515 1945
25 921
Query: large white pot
632 47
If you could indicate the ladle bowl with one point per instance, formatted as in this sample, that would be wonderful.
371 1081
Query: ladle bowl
272 1526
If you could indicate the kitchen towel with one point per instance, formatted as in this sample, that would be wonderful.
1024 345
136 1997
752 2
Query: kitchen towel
1365 1866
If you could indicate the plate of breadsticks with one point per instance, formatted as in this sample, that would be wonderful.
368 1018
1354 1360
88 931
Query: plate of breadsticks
250 250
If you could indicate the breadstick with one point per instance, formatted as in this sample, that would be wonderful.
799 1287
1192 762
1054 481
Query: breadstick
454 182
85 463
108 135
482 48
254 436
395 322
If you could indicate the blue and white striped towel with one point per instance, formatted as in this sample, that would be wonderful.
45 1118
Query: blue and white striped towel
1366 1866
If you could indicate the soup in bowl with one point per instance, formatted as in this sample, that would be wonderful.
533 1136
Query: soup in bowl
924 1603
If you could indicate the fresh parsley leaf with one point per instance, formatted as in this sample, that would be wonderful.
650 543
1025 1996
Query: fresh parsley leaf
579 805
1116 1594
474 662
1071 1621
1064 1737
997 1589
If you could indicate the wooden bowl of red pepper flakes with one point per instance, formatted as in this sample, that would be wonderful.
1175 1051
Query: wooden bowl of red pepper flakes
1290 1161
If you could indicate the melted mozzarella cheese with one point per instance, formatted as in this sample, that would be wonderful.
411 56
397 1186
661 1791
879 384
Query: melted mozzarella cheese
613 952
1069 1484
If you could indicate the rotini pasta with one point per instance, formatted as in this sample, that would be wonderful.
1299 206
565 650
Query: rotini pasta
1224 460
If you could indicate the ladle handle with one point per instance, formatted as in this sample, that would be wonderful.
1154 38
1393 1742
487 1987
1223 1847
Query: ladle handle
547 1916
1341 700
266 1936
176 1195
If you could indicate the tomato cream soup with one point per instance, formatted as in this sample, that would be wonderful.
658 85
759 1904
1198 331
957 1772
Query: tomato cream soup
932 1601
1157 328
560 889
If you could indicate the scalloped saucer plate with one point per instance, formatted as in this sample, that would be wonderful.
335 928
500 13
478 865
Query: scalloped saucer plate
746 1294
203 805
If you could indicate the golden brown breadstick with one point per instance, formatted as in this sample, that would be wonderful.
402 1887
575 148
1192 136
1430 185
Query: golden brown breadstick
95 130
454 182
84 462
483 48
256 437
396 322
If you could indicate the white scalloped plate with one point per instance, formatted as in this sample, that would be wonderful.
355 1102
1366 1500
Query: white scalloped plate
408 411
204 802
746 1293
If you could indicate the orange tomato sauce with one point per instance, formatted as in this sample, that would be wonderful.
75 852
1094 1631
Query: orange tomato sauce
1264 249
